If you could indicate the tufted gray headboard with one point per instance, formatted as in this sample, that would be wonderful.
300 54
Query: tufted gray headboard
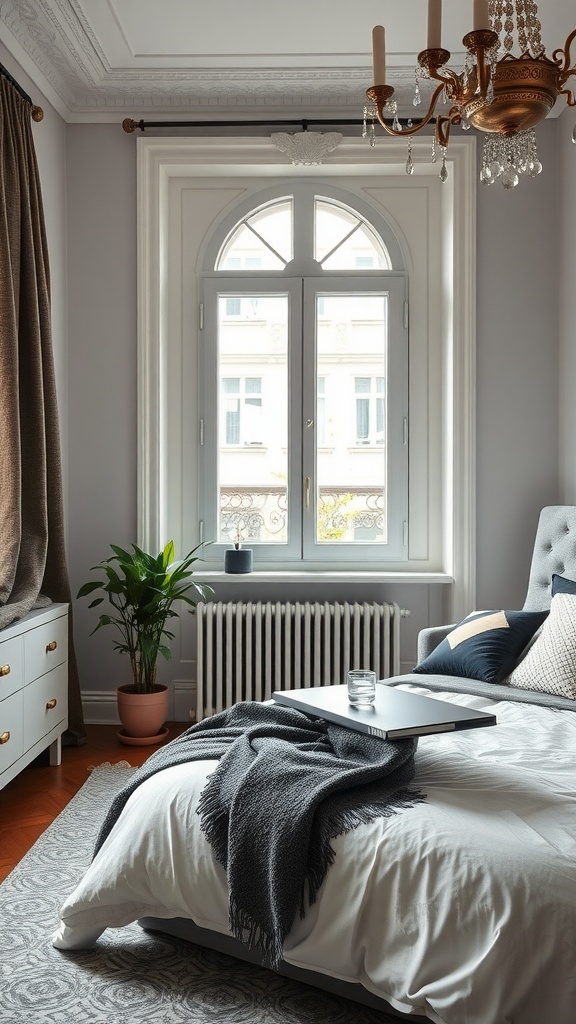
554 551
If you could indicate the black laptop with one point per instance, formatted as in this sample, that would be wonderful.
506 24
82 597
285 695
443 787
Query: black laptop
395 713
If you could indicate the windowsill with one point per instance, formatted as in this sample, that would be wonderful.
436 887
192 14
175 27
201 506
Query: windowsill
234 449
323 576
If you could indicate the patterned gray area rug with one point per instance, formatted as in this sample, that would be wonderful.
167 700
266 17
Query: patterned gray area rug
132 977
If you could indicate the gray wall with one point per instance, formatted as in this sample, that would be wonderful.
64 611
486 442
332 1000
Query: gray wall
517 372
567 305
101 168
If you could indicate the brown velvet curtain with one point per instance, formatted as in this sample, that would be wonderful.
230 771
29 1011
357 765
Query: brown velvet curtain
33 569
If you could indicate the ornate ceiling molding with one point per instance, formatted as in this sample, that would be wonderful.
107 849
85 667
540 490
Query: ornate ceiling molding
63 51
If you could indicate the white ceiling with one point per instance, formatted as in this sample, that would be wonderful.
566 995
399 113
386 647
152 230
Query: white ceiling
102 60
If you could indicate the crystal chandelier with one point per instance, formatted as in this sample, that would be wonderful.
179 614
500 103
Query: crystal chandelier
502 95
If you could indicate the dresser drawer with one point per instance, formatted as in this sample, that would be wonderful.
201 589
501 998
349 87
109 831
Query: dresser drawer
11 730
11 666
41 714
45 647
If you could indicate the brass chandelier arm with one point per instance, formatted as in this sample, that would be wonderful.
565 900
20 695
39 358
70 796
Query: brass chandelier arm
380 95
563 58
431 61
449 80
443 124
479 43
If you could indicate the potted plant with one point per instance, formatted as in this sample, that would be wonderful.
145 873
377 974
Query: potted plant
142 589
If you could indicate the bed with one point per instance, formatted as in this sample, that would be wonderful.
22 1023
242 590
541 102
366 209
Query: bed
462 908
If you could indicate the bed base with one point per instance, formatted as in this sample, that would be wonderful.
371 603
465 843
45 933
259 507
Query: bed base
181 928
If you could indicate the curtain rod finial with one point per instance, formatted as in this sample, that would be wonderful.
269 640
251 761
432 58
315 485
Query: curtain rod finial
37 114
129 125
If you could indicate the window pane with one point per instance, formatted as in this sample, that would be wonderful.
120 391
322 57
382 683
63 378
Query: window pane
274 225
320 412
362 420
358 250
245 251
351 445
232 422
261 241
253 425
344 242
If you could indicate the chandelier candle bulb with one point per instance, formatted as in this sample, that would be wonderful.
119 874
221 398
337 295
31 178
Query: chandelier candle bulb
434 24
379 55
481 19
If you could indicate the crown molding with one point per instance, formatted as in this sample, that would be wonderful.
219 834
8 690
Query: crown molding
55 45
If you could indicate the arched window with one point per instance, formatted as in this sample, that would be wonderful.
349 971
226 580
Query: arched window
304 382
342 239
193 194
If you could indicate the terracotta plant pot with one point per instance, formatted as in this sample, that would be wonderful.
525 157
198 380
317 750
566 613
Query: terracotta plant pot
142 714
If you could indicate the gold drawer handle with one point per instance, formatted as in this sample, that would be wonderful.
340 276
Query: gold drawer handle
51 646
4 670
51 704
4 737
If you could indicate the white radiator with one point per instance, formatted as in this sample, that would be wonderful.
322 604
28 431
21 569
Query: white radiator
247 650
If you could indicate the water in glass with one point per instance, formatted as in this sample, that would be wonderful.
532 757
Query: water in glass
361 686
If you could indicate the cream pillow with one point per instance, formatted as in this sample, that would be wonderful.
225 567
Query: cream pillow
550 664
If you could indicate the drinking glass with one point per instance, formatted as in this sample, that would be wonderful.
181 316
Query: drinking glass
361 687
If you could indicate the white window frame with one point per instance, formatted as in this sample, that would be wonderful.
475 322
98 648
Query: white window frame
165 165
301 549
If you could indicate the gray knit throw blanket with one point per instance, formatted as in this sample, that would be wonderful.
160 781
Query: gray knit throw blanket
285 786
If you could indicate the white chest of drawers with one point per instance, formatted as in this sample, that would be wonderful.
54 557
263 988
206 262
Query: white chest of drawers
33 688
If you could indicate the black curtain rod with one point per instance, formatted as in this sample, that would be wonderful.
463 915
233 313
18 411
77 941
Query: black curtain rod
130 126
6 74
36 112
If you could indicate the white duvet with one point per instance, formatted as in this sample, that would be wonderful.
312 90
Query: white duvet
461 909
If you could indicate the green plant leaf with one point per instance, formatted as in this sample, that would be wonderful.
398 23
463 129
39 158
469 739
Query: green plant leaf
88 588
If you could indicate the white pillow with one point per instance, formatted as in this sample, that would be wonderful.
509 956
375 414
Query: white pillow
550 663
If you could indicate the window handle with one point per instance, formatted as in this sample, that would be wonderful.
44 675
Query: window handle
307 491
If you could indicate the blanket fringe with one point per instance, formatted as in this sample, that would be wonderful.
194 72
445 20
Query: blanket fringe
214 815
253 935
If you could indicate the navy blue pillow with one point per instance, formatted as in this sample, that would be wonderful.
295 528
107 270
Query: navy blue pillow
562 585
484 646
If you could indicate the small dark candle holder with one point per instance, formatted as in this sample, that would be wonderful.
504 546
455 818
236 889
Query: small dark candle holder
238 560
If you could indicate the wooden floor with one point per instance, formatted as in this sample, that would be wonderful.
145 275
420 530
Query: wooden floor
37 795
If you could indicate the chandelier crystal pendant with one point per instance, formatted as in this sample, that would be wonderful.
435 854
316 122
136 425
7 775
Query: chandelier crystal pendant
500 94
